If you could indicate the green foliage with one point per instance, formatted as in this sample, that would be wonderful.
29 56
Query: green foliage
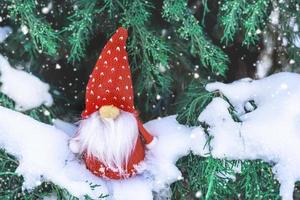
176 11
148 53
81 26
192 103
146 61
208 177
221 179
42 35
136 13
42 113
256 181
215 178
11 183
230 18
6 102
249 16
289 16
255 15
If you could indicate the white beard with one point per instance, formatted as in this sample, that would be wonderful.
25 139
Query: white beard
109 140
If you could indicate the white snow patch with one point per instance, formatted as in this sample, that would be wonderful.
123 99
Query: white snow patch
296 41
265 62
174 141
274 16
271 132
295 28
133 188
5 31
293 24
44 156
268 131
68 128
24 29
43 153
26 90
48 8
285 41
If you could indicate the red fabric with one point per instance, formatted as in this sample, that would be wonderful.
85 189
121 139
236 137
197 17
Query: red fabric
110 82
99 169
148 138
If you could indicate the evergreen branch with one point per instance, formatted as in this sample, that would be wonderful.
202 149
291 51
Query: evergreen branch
111 7
147 52
217 179
237 14
176 11
42 113
195 99
136 13
43 36
289 20
230 16
150 80
255 17
211 178
257 181
205 11
81 26
6 102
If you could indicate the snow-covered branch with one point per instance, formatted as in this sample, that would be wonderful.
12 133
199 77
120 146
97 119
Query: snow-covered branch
269 111
25 89
268 129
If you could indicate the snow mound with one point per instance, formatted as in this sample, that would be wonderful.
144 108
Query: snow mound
26 90
43 153
269 130
174 142
269 110
5 31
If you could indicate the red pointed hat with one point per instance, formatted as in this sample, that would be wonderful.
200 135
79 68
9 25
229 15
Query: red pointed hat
110 82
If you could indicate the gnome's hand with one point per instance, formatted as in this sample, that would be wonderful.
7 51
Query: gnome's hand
74 145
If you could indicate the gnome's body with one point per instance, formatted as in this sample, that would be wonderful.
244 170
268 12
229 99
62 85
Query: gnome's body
111 137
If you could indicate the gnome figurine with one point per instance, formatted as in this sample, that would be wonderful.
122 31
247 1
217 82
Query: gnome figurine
110 137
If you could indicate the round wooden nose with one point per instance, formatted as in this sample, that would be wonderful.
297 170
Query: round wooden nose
109 111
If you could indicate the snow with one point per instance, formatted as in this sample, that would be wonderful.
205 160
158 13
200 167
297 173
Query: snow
43 153
270 132
295 28
5 31
24 29
296 40
26 90
174 141
274 16
265 62
48 8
